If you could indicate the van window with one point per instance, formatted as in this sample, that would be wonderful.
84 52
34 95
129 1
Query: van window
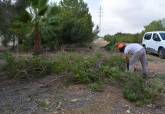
148 36
156 37
162 35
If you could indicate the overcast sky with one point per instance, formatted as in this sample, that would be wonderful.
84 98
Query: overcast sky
126 15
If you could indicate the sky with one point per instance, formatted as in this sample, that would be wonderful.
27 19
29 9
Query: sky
127 16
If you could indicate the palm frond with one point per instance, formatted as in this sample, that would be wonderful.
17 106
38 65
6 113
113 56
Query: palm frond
25 17
42 10
42 3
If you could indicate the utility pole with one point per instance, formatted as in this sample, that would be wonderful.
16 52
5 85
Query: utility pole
100 18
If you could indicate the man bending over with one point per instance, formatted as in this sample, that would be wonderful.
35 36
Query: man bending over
134 53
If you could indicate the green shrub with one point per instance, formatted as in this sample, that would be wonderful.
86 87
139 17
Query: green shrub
118 62
97 86
137 90
155 88
113 68
134 88
87 68
123 37
111 45
83 68
10 63
35 67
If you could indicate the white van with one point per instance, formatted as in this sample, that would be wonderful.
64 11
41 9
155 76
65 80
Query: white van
154 42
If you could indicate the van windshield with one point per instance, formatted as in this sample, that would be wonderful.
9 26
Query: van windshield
162 35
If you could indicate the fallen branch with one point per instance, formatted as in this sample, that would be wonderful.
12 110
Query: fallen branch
52 81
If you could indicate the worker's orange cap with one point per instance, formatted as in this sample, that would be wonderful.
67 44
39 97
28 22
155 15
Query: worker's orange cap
120 45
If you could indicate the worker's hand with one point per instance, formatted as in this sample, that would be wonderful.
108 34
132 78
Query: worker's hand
127 59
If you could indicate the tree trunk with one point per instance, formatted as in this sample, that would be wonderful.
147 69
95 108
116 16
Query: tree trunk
37 42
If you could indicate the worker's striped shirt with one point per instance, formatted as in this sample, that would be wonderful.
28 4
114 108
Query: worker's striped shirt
131 49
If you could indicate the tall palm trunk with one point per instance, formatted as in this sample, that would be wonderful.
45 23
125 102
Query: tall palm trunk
37 41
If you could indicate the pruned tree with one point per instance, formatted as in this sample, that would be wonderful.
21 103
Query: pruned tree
32 21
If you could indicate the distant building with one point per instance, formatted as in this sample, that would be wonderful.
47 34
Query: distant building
100 42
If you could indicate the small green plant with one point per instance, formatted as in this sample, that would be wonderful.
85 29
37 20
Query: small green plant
97 86
44 104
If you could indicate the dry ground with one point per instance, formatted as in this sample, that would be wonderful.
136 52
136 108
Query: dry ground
62 98
156 64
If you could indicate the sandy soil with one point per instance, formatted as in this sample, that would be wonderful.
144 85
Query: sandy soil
156 65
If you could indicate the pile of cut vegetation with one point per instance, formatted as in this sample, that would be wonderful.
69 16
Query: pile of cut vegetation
94 69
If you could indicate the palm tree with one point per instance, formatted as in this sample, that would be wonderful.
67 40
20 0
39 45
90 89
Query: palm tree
32 20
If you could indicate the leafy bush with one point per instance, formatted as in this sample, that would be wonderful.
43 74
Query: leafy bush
113 68
123 37
10 63
112 43
26 68
134 89
138 90
83 68
155 88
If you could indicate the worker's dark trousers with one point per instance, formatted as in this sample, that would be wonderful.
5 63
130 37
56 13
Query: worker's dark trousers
140 55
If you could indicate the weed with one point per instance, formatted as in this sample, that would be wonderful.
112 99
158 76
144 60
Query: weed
44 104
97 86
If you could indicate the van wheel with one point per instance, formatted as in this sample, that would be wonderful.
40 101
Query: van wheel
162 53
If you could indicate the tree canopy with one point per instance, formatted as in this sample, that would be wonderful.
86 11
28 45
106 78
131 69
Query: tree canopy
36 22
154 26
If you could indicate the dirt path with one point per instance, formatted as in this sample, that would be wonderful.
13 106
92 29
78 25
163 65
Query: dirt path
111 102
156 64
61 98
74 99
